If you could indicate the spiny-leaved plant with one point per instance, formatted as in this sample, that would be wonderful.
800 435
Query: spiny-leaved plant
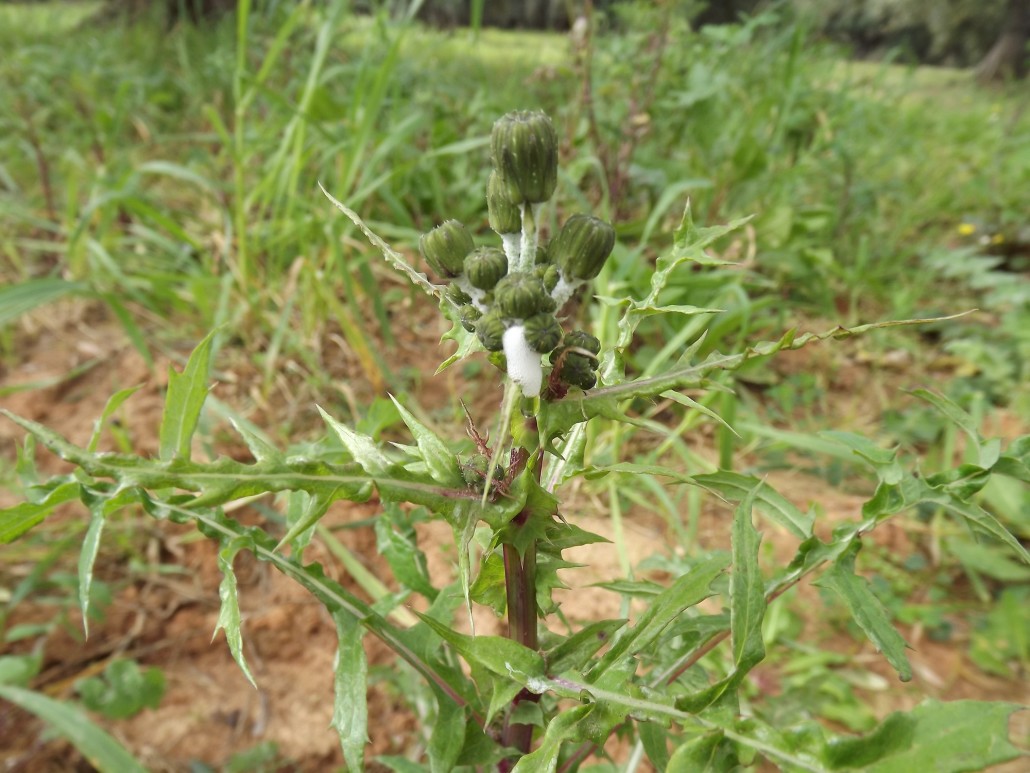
552 692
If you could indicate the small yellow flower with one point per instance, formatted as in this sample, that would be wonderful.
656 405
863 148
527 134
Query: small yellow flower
966 229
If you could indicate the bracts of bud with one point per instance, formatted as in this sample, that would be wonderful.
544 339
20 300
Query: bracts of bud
445 248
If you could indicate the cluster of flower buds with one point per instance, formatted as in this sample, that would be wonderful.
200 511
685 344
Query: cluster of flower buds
508 297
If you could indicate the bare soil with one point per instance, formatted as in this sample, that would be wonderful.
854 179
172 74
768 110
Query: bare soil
164 579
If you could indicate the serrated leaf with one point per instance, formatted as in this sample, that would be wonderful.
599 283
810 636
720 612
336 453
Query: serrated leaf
736 487
257 443
362 448
867 610
184 401
688 590
557 416
101 750
441 461
350 683
15 521
229 613
393 257
953 737
303 512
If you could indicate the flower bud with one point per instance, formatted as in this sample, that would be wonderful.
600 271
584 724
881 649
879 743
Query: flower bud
548 275
577 370
505 217
469 316
456 295
578 339
524 146
543 332
474 470
520 295
490 330
582 246
445 248
485 267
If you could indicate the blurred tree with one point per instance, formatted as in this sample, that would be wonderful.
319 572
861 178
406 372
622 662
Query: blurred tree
1007 57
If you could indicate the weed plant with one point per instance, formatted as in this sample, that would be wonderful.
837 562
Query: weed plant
671 679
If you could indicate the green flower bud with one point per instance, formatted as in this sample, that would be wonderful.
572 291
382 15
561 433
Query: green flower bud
456 295
582 246
524 146
490 329
578 370
520 295
445 248
549 275
578 339
485 267
505 217
543 332
469 316
475 468
543 254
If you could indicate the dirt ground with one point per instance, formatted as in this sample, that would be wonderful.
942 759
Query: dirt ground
164 581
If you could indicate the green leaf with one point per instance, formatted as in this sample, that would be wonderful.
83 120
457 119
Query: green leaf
350 683
557 416
23 297
15 521
559 729
895 734
688 590
574 652
867 610
884 461
747 591
101 750
981 519
700 753
987 452
184 401
447 737
229 613
441 461
124 690
496 654
19 670
400 549
362 448
737 487
655 740
113 404
953 737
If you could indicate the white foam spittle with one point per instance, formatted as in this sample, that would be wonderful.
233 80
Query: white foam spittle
523 363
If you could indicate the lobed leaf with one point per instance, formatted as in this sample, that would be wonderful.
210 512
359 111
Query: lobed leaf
229 613
441 461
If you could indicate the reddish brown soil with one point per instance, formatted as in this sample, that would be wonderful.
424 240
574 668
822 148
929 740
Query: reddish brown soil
166 618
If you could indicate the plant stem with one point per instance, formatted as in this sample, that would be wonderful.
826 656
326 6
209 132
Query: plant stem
520 589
